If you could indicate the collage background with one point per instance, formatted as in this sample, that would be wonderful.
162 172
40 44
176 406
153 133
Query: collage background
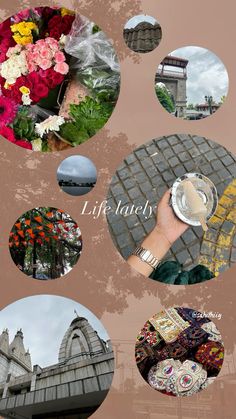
102 281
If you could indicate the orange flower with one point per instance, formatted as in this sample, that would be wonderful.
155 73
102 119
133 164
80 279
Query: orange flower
39 219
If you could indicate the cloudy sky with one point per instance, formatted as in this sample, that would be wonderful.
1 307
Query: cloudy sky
44 320
134 21
206 74
78 168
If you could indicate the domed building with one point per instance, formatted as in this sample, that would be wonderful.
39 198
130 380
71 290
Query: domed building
73 388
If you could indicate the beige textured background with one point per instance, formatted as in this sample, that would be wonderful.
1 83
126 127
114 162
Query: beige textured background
102 281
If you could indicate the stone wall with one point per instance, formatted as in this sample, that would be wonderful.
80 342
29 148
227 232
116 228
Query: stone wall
59 383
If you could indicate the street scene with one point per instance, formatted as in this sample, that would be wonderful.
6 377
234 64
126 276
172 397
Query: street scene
191 83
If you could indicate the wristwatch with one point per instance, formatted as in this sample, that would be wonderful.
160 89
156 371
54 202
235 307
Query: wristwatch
146 256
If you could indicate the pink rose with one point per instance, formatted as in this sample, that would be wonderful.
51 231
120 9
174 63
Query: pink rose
46 53
59 57
40 43
61 68
45 64
14 50
34 56
29 47
53 43
32 66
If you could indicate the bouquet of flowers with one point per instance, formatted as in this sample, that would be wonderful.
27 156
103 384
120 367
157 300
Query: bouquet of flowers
51 94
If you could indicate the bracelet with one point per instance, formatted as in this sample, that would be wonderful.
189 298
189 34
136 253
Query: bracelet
146 256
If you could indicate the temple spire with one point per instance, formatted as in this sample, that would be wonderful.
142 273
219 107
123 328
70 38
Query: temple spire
4 341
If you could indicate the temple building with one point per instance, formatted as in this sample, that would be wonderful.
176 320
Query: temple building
73 388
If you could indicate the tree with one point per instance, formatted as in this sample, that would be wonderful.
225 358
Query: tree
222 100
45 242
165 98
191 106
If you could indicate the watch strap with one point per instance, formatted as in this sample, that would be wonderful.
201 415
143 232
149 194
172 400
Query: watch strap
146 256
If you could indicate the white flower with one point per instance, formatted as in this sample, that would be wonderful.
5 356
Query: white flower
14 67
26 99
52 123
37 144
62 41
161 85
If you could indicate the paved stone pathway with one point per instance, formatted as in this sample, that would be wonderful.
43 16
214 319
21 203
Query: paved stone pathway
149 171
218 250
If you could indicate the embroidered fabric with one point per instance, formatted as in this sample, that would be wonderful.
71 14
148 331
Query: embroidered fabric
169 324
159 374
178 353
194 317
145 359
187 380
172 350
149 334
212 331
142 352
192 337
211 355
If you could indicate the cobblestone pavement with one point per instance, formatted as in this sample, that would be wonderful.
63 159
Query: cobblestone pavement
218 250
149 171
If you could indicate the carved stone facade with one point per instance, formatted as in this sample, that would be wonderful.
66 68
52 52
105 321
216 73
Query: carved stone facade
14 359
173 73
73 388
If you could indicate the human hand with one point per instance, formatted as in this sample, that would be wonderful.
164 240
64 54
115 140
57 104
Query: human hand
167 223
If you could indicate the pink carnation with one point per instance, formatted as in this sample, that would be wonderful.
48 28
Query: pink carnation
22 16
8 110
8 133
61 68
24 144
59 57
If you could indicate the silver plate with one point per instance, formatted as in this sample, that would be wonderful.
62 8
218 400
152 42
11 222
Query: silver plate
205 188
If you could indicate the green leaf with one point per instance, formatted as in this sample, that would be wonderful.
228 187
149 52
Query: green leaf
24 126
89 116
165 98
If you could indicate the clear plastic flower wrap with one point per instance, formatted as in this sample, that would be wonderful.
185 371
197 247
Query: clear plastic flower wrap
95 59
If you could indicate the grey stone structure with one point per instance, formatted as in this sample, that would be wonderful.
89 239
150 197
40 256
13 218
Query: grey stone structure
175 81
72 388
144 38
